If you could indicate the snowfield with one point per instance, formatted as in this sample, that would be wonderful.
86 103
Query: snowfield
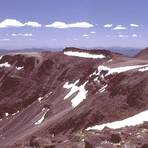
84 55
6 64
143 69
131 121
74 88
117 70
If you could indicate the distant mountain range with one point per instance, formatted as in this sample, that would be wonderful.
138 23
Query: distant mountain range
5 51
129 51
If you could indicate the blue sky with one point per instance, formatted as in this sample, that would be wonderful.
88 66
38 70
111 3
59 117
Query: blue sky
80 23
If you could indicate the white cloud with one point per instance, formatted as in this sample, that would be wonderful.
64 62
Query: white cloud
15 23
108 25
92 32
28 34
4 39
10 23
33 24
85 35
20 34
122 36
134 35
119 27
134 25
63 25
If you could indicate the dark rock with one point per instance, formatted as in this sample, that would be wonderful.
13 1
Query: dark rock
50 146
144 145
88 145
115 138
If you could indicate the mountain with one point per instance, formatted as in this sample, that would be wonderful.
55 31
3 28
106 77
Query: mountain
143 54
129 51
66 99
6 51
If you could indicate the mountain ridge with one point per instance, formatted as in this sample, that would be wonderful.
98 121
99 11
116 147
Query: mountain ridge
48 98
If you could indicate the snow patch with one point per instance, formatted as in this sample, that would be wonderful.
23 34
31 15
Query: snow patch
15 113
1 57
43 116
143 69
40 99
96 80
43 109
118 69
104 71
84 55
19 68
6 114
103 88
6 64
110 61
74 88
131 121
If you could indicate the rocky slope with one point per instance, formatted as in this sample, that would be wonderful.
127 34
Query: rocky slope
143 54
51 99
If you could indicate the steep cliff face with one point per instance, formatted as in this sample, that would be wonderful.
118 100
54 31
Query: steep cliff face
61 93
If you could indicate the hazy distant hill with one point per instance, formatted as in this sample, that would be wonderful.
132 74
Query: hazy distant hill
129 51
5 51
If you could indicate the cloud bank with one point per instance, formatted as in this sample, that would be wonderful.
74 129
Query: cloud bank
134 35
63 25
119 27
108 25
20 34
4 39
122 36
134 25
15 23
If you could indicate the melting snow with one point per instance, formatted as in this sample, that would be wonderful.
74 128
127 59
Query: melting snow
15 113
19 68
143 69
74 88
1 57
84 54
131 121
6 64
110 71
103 88
118 69
96 79
40 99
43 116
43 109
110 61
6 114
